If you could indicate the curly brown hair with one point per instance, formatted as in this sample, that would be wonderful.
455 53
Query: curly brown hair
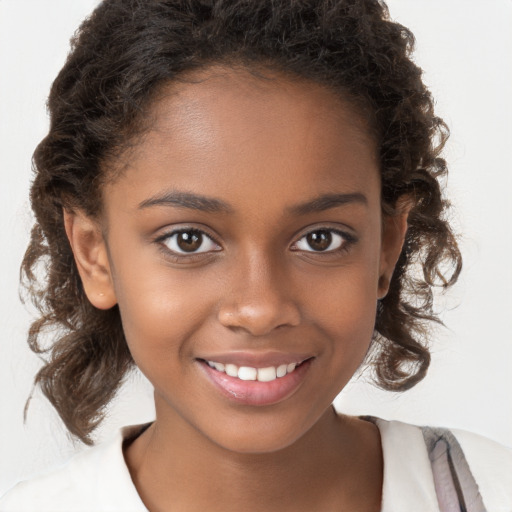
120 56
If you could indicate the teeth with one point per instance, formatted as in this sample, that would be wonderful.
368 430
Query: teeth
249 373
267 374
231 370
281 370
219 366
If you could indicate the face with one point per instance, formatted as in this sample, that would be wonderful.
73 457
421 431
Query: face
245 247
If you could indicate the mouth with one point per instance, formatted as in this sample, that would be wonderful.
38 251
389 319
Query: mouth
253 385
248 373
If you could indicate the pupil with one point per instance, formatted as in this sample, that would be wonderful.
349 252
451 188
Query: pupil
319 240
189 241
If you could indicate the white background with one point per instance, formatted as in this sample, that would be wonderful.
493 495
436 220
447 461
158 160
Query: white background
466 52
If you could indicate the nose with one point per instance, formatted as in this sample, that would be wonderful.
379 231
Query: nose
260 301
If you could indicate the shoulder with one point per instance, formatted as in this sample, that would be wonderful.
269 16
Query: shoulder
491 465
67 487
410 448
96 479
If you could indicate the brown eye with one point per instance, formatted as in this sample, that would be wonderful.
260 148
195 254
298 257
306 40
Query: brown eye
321 240
190 241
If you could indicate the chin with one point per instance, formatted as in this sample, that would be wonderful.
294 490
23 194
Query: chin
255 444
263 435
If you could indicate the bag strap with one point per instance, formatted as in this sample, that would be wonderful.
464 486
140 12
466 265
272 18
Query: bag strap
456 487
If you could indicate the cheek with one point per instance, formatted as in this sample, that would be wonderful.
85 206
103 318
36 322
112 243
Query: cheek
344 309
160 308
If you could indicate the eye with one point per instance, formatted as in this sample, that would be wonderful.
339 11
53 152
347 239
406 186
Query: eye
321 240
189 241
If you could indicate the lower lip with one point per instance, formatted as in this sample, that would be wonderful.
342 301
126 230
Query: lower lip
253 392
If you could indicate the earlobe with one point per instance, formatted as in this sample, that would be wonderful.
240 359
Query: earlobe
394 230
91 258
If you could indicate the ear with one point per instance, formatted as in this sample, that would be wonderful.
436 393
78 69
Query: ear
394 229
91 257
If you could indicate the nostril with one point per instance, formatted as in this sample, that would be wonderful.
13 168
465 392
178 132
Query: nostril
261 319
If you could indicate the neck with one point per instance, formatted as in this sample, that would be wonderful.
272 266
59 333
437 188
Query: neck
336 462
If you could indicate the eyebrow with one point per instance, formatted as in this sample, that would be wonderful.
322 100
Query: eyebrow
328 201
187 200
212 205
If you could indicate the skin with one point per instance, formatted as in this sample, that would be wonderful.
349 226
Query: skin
262 148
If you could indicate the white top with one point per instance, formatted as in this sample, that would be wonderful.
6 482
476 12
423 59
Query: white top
98 479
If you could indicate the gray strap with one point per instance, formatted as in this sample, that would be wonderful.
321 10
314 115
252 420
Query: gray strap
456 488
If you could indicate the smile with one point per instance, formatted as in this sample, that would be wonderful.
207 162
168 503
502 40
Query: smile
267 374
258 385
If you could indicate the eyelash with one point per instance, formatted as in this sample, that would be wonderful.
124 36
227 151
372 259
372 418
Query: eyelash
188 256
347 241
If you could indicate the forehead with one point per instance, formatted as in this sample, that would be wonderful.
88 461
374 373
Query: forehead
221 130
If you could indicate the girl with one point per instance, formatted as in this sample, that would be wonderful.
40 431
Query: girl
236 197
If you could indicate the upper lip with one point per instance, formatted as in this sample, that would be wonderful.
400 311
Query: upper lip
257 359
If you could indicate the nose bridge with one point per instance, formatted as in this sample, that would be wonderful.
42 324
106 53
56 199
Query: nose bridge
260 298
